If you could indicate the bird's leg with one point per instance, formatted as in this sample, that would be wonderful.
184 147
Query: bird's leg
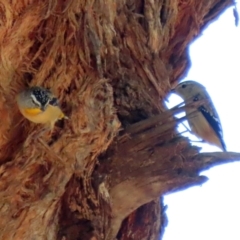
198 141
187 129
180 133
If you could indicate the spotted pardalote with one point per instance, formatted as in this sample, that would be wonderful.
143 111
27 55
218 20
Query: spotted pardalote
39 105
203 121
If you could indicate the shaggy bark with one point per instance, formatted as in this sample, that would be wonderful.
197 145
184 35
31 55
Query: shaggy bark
111 63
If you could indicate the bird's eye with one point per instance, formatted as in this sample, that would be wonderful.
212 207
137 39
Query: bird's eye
196 98
184 85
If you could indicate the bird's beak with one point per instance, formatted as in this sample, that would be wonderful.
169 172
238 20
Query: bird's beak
173 91
43 108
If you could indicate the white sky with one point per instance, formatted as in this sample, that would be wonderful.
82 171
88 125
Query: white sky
212 211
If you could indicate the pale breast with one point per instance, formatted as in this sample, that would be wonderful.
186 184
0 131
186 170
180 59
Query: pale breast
201 128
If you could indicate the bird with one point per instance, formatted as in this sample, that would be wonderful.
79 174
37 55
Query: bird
40 105
203 121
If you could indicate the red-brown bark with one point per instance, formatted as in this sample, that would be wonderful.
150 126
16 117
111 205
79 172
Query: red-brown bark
111 63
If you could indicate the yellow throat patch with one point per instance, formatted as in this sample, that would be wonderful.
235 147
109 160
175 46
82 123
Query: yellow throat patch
32 111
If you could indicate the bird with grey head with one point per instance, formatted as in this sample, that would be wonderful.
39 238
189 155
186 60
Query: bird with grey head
203 121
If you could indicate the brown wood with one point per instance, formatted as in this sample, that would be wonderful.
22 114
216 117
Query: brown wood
111 63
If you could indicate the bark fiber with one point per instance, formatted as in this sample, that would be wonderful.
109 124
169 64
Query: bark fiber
111 63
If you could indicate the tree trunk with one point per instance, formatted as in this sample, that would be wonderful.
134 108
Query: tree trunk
111 63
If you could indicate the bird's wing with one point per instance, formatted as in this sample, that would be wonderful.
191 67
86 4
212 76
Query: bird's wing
214 122
54 102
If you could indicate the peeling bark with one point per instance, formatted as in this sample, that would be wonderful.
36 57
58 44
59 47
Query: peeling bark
143 166
111 63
